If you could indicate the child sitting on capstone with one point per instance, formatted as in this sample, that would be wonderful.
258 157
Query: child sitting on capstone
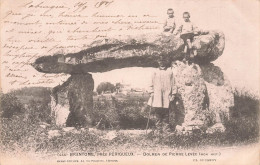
169 24
188 31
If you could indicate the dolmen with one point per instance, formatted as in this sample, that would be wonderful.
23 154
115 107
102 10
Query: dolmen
204 90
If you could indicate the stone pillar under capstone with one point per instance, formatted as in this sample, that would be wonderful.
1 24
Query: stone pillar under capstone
206 94
73 101
192 91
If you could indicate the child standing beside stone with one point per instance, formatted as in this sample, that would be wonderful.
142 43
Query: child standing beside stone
162 92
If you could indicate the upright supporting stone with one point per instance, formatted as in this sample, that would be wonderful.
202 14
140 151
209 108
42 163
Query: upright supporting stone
75 95
219 90
193 92
206 94
60 109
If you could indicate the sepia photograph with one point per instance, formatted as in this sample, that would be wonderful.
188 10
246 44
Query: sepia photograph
117 82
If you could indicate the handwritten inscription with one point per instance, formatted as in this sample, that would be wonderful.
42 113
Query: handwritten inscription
37 28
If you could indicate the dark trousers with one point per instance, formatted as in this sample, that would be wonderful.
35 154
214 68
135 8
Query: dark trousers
176 112
185 37
162 115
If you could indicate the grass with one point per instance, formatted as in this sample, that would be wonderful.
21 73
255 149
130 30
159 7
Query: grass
22 132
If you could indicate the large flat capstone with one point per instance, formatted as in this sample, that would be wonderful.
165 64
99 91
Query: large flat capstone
142 51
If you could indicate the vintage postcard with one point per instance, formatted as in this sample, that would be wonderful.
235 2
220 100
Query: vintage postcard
117 82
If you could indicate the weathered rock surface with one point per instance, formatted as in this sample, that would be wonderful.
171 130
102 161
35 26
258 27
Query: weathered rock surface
209 47
220 92
218 127
206 94
193 92
142 51
60 108
75 95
